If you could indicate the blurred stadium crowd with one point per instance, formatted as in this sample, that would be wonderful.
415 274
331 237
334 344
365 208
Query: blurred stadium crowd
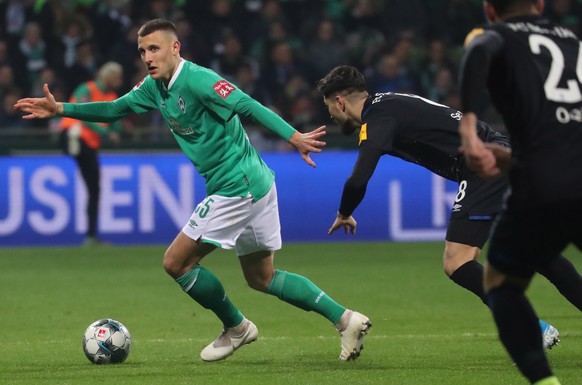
273 50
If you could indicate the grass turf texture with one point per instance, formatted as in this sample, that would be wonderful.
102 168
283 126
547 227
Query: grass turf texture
426 329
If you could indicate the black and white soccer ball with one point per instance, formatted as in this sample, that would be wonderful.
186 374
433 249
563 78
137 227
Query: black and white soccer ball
106 341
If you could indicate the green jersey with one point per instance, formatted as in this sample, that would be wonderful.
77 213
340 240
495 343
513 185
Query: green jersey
201 109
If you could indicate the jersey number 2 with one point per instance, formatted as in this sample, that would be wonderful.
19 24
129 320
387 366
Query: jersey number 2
554 93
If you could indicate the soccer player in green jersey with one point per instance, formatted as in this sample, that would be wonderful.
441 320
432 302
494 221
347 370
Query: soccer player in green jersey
240 210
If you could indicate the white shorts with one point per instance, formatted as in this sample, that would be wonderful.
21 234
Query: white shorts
237 223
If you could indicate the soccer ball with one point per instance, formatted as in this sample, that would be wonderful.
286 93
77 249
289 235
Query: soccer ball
106 342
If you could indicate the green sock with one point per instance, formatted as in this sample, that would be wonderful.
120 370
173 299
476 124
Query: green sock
301 292
206 289
548 381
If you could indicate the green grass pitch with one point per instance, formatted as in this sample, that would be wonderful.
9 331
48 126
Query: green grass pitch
426 330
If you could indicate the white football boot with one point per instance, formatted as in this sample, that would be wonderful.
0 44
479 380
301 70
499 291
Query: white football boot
229 340
353 327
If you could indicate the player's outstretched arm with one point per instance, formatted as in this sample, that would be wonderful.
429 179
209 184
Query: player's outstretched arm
348 223
40 108
308 142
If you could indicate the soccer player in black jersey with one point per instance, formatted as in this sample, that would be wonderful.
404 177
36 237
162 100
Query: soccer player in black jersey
533 72
426 133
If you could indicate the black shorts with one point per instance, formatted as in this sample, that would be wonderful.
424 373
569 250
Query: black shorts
476 205
524 241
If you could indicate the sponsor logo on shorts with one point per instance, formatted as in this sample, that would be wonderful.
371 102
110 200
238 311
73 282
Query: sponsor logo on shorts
457 207
192 223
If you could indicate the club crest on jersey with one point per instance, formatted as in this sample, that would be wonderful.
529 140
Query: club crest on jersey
182 104
223 88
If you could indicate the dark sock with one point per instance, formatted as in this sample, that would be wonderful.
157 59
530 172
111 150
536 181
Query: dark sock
563 275
470 276
519 331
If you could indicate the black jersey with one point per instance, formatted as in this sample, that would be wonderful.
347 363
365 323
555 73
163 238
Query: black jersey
418 130
534 78
414 129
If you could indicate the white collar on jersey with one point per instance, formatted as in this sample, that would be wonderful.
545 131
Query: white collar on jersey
176 73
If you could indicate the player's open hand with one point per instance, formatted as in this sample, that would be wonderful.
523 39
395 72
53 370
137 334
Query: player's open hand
308 142
39 108
349 224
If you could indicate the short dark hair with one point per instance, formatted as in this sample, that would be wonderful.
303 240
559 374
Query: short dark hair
341 78
503 7
154 25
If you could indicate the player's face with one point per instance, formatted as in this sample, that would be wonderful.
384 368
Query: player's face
336 108
160 52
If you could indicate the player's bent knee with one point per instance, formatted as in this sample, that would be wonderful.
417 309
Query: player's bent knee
258 284
170 266
450 265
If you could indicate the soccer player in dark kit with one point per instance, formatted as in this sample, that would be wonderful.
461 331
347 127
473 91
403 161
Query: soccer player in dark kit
532 69
420 131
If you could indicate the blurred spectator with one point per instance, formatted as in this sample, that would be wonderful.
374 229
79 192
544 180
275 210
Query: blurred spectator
194 45
326 51
14 61
4 57
14 18
262 48
281 68
124 52
33 49
435 60
364 14
260 23
408 17
84 68
114 19
567 13
9 117
274 50
6 79
304 111
221 20
71 37
402 50
231 58
389 76
82 140
156 9
47 76
454 19
364 37
247 81
442 86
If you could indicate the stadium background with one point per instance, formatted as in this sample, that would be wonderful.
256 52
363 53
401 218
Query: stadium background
426 330
273 50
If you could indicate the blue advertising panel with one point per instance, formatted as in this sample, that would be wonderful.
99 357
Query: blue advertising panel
147 198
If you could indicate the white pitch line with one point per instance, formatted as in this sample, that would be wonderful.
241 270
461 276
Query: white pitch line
371 336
